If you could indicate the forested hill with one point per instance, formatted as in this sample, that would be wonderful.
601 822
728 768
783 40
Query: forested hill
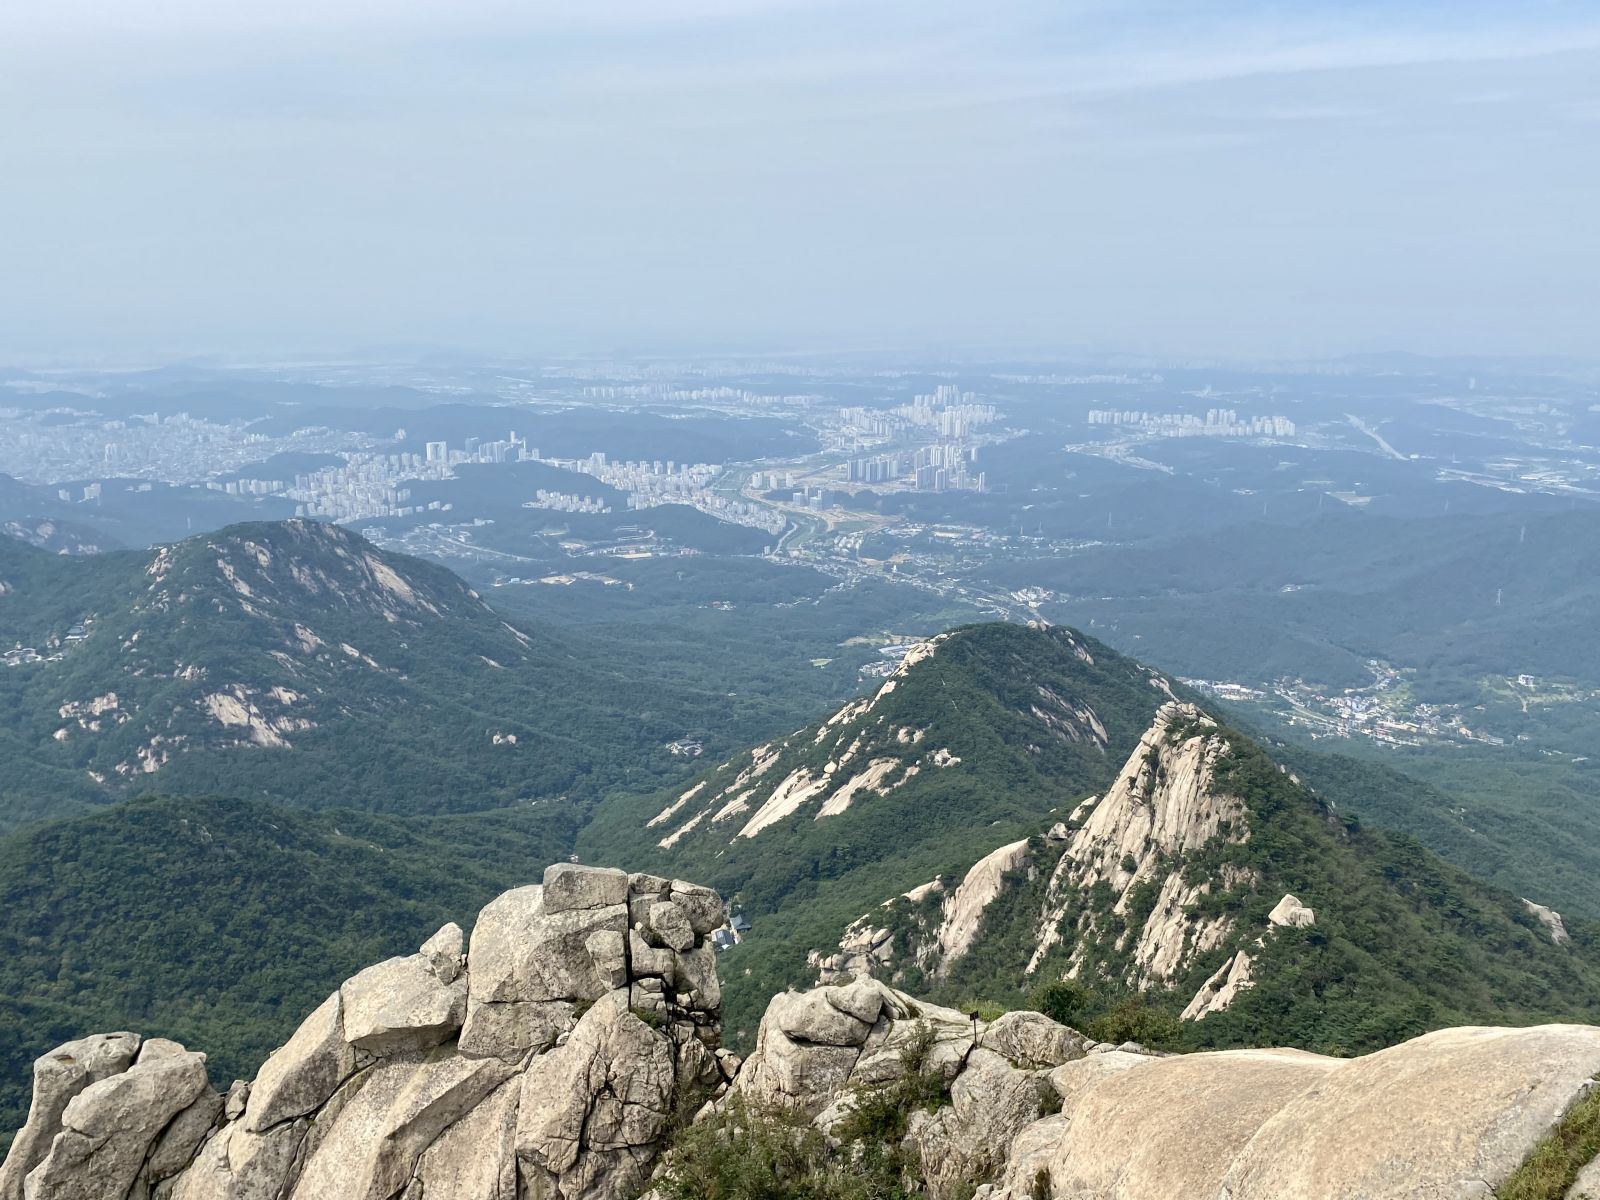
981 734
217 922
297 661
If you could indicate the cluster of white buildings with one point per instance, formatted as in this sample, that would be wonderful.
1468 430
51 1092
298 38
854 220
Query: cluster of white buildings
481 450
648 483
673 394
741 512
657 482
43 447
1217 422
948 415
935 468
947 412
368 485
566 502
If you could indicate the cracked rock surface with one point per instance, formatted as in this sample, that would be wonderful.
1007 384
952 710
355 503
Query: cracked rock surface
544 1058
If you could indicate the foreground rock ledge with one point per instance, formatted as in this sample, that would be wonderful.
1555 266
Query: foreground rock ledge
546 1059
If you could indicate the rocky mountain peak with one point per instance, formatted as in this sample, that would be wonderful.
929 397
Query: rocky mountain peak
932 717
299 564
1112 873
264 637
1132 842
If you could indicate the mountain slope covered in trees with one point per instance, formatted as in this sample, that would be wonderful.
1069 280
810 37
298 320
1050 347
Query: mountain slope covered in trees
948 809
295 661
217 922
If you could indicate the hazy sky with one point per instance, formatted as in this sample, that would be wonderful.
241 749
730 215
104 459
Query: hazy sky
1296 177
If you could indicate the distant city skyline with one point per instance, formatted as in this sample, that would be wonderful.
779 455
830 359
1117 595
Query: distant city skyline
1223 180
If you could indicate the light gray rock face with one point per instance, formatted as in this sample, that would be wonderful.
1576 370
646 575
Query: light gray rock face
401 1004
702 906
1551 920
810 1044
1032 1039
819 1052
300 1076
812 1018
533 956
1587 1185
1290 913
1027 1160
1072 1079
618 1028
569 887
447 951
176 1146
1436 1112
670 925
376 1097
590 1119
108 1129
1443 1117
476 1158
1446 1116
991 1102
57 1078
373 1148
1167 1128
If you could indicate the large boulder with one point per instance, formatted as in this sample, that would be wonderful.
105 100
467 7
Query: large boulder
475 1159
938 1039
1030 1039
401 1004
529 965
600 1020
569 888
300 1076
701 906
991 1102
374 1097
57 1078
814 1019
810 1045
669 926
1072 1079
241 1164
1421 1119
108 1129
784 1073
1027 1160
373 1148
446 950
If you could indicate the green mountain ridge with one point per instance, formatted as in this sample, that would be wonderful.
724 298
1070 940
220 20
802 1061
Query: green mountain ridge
989 738
979 739
296 661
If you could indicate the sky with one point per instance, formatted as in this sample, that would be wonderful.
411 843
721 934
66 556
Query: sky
1248 180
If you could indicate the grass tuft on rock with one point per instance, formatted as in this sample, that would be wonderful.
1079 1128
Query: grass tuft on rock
1552 1166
